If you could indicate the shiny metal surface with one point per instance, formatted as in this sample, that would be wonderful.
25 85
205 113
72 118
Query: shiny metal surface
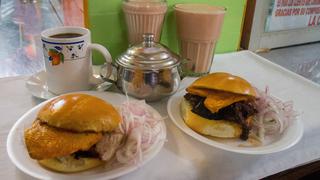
148 71
147 84
148 55
148 40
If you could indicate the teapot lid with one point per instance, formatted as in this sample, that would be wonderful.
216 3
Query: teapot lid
148 55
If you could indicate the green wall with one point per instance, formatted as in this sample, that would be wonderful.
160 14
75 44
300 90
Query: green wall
108 27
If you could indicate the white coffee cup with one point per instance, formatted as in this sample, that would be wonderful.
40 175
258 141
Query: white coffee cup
67 56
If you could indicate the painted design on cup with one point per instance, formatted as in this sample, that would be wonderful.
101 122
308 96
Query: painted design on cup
69 48
56 56
74 56
80 46
61 52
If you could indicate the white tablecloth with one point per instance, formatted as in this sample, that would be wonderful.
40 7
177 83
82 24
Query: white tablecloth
184 157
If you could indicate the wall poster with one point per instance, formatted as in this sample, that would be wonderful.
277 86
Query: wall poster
292 14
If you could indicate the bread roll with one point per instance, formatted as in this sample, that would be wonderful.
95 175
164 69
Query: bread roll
80 113
222 82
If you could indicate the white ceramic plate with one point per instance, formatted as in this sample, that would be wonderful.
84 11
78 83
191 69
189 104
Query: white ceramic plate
19 155
286 140
37 85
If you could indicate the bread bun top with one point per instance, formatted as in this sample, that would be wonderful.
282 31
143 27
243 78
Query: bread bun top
80 113
224 82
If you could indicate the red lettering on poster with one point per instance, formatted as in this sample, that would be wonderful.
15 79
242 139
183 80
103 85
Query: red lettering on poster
295 14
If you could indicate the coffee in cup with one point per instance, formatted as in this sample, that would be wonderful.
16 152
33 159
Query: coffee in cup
66 35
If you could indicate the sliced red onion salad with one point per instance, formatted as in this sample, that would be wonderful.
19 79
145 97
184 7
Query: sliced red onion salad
142 128
273 116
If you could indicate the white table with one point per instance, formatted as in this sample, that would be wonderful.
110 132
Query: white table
184 157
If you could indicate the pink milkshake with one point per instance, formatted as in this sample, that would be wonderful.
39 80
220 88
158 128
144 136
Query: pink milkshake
144 16
198 30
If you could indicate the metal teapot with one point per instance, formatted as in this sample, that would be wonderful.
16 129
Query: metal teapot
147 71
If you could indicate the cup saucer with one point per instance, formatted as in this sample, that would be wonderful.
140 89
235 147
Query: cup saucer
37 85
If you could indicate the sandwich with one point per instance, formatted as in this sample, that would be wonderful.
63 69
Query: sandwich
220 105
67 130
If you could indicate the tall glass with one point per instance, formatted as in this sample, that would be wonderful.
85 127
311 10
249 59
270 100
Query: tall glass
198 30
144 16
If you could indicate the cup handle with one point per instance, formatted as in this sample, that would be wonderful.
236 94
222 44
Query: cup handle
107 57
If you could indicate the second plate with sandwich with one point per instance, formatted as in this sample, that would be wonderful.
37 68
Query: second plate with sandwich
210 113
